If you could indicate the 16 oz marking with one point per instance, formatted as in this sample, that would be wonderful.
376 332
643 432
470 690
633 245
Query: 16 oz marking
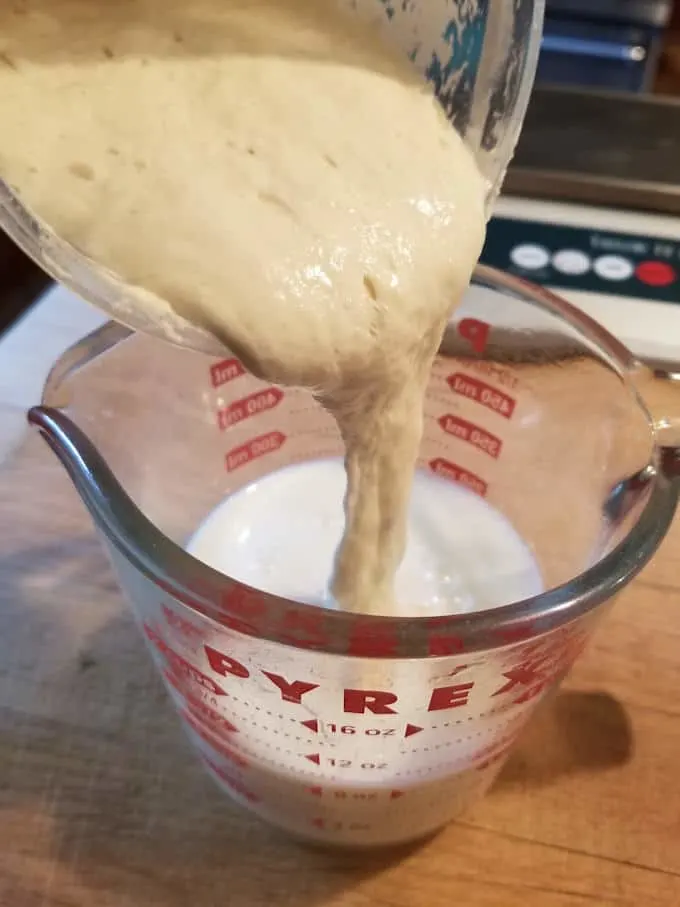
349 729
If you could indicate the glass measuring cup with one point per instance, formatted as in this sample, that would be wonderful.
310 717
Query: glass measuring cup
480 57
346 728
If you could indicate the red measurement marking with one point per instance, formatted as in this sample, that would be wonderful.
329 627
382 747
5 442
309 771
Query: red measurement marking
217 745
183 626
480 392
396 794
515 634
303 628
315 791
237 786
445 644
257 447
250 406
541 671
181 666
412 729
373 641
312 724
217 723
448 470
246 607
178 683
475 332
441 641
315 758
472 434
495 372
225 371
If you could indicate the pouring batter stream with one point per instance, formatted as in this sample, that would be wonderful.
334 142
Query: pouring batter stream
276 174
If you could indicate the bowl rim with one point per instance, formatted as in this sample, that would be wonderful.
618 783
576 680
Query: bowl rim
138 545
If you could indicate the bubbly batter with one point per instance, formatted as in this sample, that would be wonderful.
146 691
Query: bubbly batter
274 173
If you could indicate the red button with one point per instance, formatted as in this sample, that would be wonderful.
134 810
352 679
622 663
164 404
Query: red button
656 273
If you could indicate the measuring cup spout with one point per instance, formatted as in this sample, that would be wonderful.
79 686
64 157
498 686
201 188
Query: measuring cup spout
113 511
100 491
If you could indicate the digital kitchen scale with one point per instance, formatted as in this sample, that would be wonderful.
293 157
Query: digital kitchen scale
592 211
621 267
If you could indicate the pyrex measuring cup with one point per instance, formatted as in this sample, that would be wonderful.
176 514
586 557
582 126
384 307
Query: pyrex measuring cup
343 727
480 57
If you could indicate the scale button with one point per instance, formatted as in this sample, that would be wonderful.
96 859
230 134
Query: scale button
656 273
530 257
614 267
572 262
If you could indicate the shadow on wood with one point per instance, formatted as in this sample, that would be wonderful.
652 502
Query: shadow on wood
571 732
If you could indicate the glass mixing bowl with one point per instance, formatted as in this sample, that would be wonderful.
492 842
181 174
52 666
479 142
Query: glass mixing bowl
480 57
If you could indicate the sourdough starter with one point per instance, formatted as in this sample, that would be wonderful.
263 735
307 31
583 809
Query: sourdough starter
273 172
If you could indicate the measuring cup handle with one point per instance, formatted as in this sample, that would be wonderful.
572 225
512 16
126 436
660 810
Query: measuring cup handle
659 392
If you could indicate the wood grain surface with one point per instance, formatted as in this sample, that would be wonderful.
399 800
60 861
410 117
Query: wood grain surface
102 803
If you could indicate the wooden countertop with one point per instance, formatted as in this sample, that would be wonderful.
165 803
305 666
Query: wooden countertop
103 804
